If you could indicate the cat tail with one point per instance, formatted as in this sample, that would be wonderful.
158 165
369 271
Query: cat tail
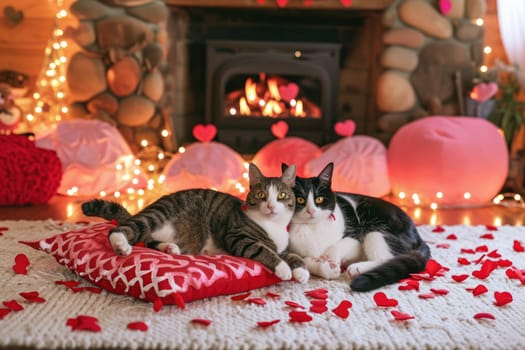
391 271
105 209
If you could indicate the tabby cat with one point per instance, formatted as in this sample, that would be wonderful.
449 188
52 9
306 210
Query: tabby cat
204 221
376 240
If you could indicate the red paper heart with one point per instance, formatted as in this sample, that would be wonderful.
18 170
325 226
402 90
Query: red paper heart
484 91
426 296
433 267
518 246
486 269
409 285
463 261
345 128
438 229
299 316
293 304
279 129
320 293
343 309
346 3
482 249
4 312
257 301
318 309
439 291
383 301
70 284
201 321
240 296
265 324
282 3
21 264
289 91
502 298
484 315
459 278
138 326
13 305
32 297
467 251
487 236
494 254
479 289
452 236
400 316
272 295
204 133
84 323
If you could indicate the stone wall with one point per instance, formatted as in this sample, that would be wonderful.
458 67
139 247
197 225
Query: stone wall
119 75
429 61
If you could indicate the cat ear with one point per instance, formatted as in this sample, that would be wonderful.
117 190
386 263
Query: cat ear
284 166
325 176
288 176
254 174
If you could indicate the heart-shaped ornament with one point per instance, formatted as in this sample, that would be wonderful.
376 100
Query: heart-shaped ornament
204 132
289 91
13 16
484 91
343 309
346 3
502 298
345 128
280 129
383 301
445 6
21 264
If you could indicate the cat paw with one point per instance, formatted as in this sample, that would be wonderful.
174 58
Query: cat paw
329 269
283 271
353 270
301 274
169 248
120 243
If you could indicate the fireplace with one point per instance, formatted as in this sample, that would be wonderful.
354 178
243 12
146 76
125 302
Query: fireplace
252 84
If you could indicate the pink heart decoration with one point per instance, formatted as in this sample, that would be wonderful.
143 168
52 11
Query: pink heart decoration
204 133
346 3
345 128
484 91
282 3
289 91
280 129
445 6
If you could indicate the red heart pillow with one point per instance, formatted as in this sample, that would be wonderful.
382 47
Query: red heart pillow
149 274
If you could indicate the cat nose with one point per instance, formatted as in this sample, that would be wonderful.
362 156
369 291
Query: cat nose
270 206
310 211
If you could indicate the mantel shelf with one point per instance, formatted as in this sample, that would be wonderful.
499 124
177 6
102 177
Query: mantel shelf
292 4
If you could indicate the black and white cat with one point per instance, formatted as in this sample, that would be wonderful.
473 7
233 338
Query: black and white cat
203 221
374 239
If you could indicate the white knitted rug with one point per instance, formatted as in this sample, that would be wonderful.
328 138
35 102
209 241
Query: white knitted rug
441 322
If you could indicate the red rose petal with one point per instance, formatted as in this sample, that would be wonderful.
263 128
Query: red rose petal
201 321
84 323
320 293
484 315
487 236
240 296
13 305
343 309
299 316
452 236
382 300
266 324
257 301
138 326
463 261
4 312
400 316
480 289
502 298
157 305
21 264
426 296
32 297
518 246
293 304
439 291
459 278
438 229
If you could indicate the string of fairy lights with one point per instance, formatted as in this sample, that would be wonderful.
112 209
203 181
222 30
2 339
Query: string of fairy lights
50 106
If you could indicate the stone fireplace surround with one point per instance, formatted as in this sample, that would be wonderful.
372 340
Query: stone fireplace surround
400 59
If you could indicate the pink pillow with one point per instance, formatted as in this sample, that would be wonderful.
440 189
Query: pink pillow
149 274
90 151
289 150
448 161
206 165
360 166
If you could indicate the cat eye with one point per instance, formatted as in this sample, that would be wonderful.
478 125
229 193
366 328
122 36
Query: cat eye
281 195
260 195
301 200
319 200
